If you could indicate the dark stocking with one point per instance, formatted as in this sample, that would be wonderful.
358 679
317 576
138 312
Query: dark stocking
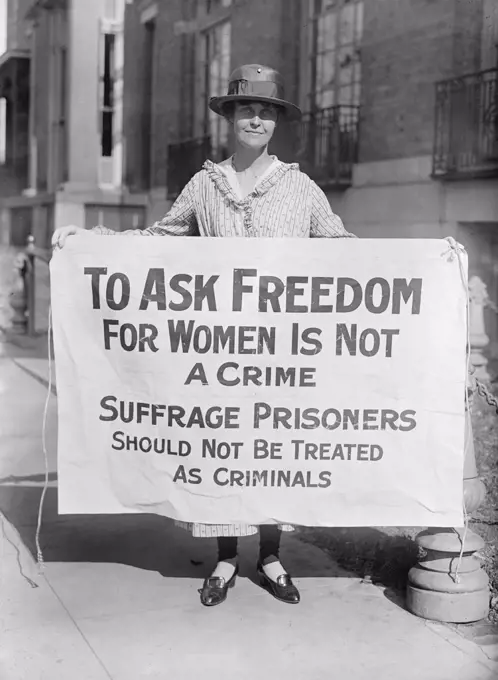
227 549
269 543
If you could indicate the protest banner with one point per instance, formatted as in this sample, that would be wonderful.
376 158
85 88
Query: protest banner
317 382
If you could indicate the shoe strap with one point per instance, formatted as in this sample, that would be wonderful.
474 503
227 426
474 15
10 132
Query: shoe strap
284 580
215 582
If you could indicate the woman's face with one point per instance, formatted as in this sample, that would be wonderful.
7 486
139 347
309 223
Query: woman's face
254 123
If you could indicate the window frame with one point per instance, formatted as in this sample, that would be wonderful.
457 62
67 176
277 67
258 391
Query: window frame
107 94
3 130
210 124
312 54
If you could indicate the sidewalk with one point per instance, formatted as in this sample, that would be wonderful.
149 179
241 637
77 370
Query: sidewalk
118 597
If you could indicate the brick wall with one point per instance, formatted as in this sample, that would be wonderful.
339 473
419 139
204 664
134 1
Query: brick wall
468 25
132 117
408 46
40 99
261 32
166 91
268 33
16 26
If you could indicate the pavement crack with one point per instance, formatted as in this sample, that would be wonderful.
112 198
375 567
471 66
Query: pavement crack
96 656
3 520
448 635
35 376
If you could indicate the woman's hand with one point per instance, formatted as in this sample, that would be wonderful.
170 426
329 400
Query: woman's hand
61 234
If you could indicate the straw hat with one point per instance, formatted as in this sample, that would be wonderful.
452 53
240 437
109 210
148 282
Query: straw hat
254 82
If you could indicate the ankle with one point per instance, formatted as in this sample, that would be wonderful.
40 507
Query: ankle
269 559
273 569
225 569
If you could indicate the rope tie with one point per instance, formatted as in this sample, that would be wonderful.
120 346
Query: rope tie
39 552
456 250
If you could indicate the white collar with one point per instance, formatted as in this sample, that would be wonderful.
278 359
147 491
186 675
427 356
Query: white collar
227 167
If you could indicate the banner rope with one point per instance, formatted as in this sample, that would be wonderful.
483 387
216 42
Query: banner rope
39 552
458 251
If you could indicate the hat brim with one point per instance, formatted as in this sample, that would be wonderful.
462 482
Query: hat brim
292 112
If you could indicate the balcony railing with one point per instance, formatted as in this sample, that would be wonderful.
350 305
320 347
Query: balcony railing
328 145
466 130
186 158
325 144
14 176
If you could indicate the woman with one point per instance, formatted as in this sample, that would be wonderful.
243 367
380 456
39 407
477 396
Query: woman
251 194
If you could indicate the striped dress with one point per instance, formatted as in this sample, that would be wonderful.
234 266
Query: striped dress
284 203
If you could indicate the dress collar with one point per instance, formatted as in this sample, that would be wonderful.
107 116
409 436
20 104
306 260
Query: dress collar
229 169
268 180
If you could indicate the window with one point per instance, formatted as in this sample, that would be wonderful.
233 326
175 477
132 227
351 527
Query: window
335 66
111 61
214 5
107 95
63 85
110 9
4 22
216 51
61 142
149 35
3 130
489 35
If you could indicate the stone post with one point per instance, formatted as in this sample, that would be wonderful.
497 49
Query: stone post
448 583
22 297
19 298
31 285
478 297
441 587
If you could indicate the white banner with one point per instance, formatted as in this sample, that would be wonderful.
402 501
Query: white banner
317 382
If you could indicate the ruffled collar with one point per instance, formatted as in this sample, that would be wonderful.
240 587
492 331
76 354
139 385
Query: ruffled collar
221 181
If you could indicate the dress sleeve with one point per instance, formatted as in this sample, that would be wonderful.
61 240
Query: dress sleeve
179 221
325 223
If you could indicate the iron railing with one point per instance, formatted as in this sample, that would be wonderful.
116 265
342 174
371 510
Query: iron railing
466 126
186 158
14 174
328 145
325 143
23 297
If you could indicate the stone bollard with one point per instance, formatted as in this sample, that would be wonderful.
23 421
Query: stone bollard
22 297
478 298
441 587
31 285
19 296
448 584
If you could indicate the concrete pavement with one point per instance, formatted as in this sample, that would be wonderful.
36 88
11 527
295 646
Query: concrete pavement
118 596
7 281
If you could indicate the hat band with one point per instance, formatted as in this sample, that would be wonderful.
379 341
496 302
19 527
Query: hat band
255 88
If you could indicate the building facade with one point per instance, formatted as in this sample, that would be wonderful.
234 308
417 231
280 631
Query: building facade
106 108
400 101
65 148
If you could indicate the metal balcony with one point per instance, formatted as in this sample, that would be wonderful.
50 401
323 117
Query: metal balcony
186 158
32 8
466 127
324 143
327 145
14 176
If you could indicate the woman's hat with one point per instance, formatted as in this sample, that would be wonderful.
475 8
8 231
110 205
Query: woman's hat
254 82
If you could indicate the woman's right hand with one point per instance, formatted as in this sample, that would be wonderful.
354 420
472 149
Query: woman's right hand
61 234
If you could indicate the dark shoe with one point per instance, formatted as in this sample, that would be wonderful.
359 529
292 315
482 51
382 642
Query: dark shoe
215 589
282 589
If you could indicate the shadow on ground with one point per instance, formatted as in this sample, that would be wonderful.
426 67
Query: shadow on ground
383 556
18 346
154 543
